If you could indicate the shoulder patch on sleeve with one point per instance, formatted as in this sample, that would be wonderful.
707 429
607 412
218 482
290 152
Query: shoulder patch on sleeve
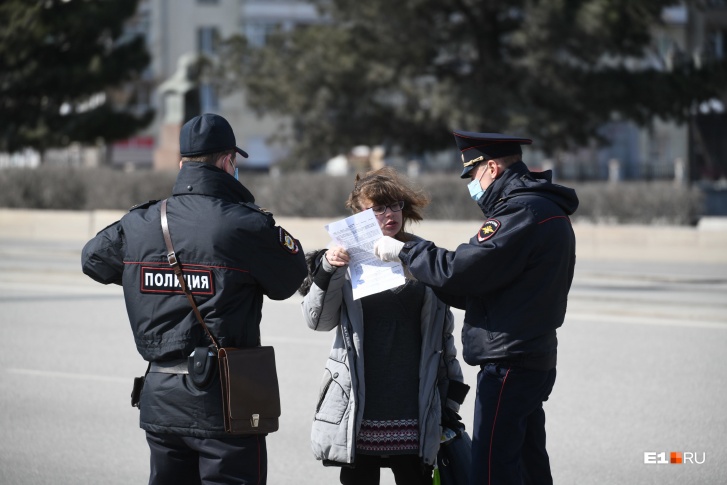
488 229
288 242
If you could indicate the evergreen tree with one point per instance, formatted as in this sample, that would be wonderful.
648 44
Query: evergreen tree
59 63
406 73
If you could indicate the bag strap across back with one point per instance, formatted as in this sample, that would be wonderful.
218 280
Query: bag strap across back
177 268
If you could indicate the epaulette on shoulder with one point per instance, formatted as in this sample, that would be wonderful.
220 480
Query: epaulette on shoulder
257 208
143 205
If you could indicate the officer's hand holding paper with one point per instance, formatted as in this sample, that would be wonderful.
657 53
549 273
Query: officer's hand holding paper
369 275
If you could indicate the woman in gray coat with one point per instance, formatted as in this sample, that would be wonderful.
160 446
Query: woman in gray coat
392 370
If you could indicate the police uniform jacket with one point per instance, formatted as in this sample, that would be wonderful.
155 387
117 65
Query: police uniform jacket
329 305
232 255
513 276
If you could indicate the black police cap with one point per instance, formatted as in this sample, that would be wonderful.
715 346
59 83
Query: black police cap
207 133
480 147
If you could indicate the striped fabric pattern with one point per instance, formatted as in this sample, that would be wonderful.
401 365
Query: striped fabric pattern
390 437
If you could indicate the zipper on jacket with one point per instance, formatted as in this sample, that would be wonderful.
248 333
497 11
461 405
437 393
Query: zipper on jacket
486 323
324 391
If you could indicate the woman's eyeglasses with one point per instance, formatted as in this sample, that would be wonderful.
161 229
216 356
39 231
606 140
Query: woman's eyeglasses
394 206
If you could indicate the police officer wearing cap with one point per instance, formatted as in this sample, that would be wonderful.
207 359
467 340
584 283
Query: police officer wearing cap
233 255
512 279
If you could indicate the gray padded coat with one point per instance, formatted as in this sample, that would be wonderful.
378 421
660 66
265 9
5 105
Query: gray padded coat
329 305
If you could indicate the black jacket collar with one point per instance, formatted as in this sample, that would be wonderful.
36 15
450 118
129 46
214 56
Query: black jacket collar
204 179
518 180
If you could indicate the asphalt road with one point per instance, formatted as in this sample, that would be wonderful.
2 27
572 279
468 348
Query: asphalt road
641 369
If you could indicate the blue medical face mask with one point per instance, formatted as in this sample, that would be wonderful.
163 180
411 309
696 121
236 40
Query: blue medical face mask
476 190
235 167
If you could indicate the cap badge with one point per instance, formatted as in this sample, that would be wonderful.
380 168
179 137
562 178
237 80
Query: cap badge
473 161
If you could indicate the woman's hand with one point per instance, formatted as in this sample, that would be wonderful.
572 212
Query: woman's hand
337 256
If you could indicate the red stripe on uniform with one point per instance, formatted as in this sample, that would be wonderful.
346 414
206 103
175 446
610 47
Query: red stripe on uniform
492 436
554 217
166 265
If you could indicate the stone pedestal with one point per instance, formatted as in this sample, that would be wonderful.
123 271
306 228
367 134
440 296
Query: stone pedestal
166 155
174 93
614 171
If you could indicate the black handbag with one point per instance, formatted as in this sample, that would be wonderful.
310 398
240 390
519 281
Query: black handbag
250 394
248 376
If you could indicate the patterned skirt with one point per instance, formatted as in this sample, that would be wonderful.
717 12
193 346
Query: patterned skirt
391 437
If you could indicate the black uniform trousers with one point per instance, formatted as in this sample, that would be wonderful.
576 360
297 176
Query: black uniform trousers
508 442
185 460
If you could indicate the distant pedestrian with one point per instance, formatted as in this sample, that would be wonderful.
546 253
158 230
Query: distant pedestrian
232 255
512 279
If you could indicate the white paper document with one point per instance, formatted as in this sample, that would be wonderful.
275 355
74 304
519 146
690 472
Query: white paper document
369 275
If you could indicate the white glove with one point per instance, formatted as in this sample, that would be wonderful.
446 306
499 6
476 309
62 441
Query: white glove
387 249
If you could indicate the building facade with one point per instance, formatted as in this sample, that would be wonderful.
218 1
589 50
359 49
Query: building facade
696 150
178 32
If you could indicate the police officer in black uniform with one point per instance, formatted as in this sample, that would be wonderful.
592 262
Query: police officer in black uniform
232 255
512 279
